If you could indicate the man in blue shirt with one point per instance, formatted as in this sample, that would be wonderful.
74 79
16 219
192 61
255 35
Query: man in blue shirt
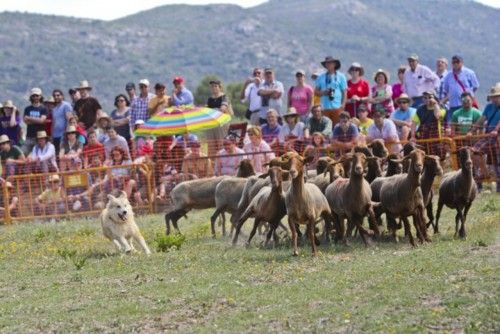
181 95
331 86
402 116
60 116
461 79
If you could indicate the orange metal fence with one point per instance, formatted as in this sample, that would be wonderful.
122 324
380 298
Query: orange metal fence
76 193
148 184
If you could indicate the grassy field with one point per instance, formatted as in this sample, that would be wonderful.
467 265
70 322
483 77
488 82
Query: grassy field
65 277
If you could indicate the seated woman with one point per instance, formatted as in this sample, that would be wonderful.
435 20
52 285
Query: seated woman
363 122
197 162
258 150
10 122
292 132
14 200
43 156
317 149
52 200
229 157
82 133
345 135
70 149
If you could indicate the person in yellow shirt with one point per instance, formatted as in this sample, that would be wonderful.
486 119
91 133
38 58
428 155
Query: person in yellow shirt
52 199
160 101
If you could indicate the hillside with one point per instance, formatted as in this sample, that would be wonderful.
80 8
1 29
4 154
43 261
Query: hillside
227 40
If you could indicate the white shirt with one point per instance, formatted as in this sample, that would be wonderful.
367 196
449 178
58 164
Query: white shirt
298 131
252 96
388 133
272 103
420 81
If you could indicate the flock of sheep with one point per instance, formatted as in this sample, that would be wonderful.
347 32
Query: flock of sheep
366 182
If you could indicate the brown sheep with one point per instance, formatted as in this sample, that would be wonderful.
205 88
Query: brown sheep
305 203
457 191
432 168
401 196
267 206
351 198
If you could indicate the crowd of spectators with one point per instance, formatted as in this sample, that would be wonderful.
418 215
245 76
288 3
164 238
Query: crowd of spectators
331 114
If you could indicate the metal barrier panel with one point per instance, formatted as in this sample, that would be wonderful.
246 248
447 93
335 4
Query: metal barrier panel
76 193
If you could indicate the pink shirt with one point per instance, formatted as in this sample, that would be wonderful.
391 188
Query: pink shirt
299 97
259 159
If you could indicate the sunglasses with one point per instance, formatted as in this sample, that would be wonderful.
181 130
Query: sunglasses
120 100
403 102
455 62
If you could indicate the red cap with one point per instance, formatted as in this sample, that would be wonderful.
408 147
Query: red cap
178 80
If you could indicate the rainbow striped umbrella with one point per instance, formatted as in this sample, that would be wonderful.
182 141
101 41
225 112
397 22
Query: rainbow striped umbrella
179 120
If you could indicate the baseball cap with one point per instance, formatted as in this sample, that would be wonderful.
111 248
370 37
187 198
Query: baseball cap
35 91
178 80
457 57
413 56
144 82
129 86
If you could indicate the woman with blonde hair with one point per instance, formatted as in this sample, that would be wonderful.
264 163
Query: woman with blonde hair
258 150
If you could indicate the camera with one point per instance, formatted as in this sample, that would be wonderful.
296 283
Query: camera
331 93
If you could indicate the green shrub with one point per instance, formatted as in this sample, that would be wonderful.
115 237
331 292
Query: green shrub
165 242
66 253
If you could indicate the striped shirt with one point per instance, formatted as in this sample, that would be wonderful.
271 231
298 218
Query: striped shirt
139 109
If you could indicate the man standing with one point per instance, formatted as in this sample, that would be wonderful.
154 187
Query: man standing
130 88
419 79
87 108
160 101
250 94
441 72
60 115
139 105
35 117
271 91
180 94
332 87
461 79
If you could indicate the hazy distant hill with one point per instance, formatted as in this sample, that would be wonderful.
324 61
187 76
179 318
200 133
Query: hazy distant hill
226 40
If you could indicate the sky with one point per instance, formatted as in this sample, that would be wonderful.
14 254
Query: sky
113 9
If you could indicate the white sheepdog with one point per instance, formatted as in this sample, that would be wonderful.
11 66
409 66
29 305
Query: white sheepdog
118 224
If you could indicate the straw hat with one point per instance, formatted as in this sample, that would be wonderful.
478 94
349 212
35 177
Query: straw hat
357 66
9 104
495 90
4 139
291 112
103 117
41 134
404 97
71 129
386 75
50 100
54 178
84 84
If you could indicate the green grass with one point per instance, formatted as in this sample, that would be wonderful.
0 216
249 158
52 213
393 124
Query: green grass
66 277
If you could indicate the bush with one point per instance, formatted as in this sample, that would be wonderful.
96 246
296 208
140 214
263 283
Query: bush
165 242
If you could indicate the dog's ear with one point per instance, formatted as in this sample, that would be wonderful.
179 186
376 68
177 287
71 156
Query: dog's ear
122 194
111 197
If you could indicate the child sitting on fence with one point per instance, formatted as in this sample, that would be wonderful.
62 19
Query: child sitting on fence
14 200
